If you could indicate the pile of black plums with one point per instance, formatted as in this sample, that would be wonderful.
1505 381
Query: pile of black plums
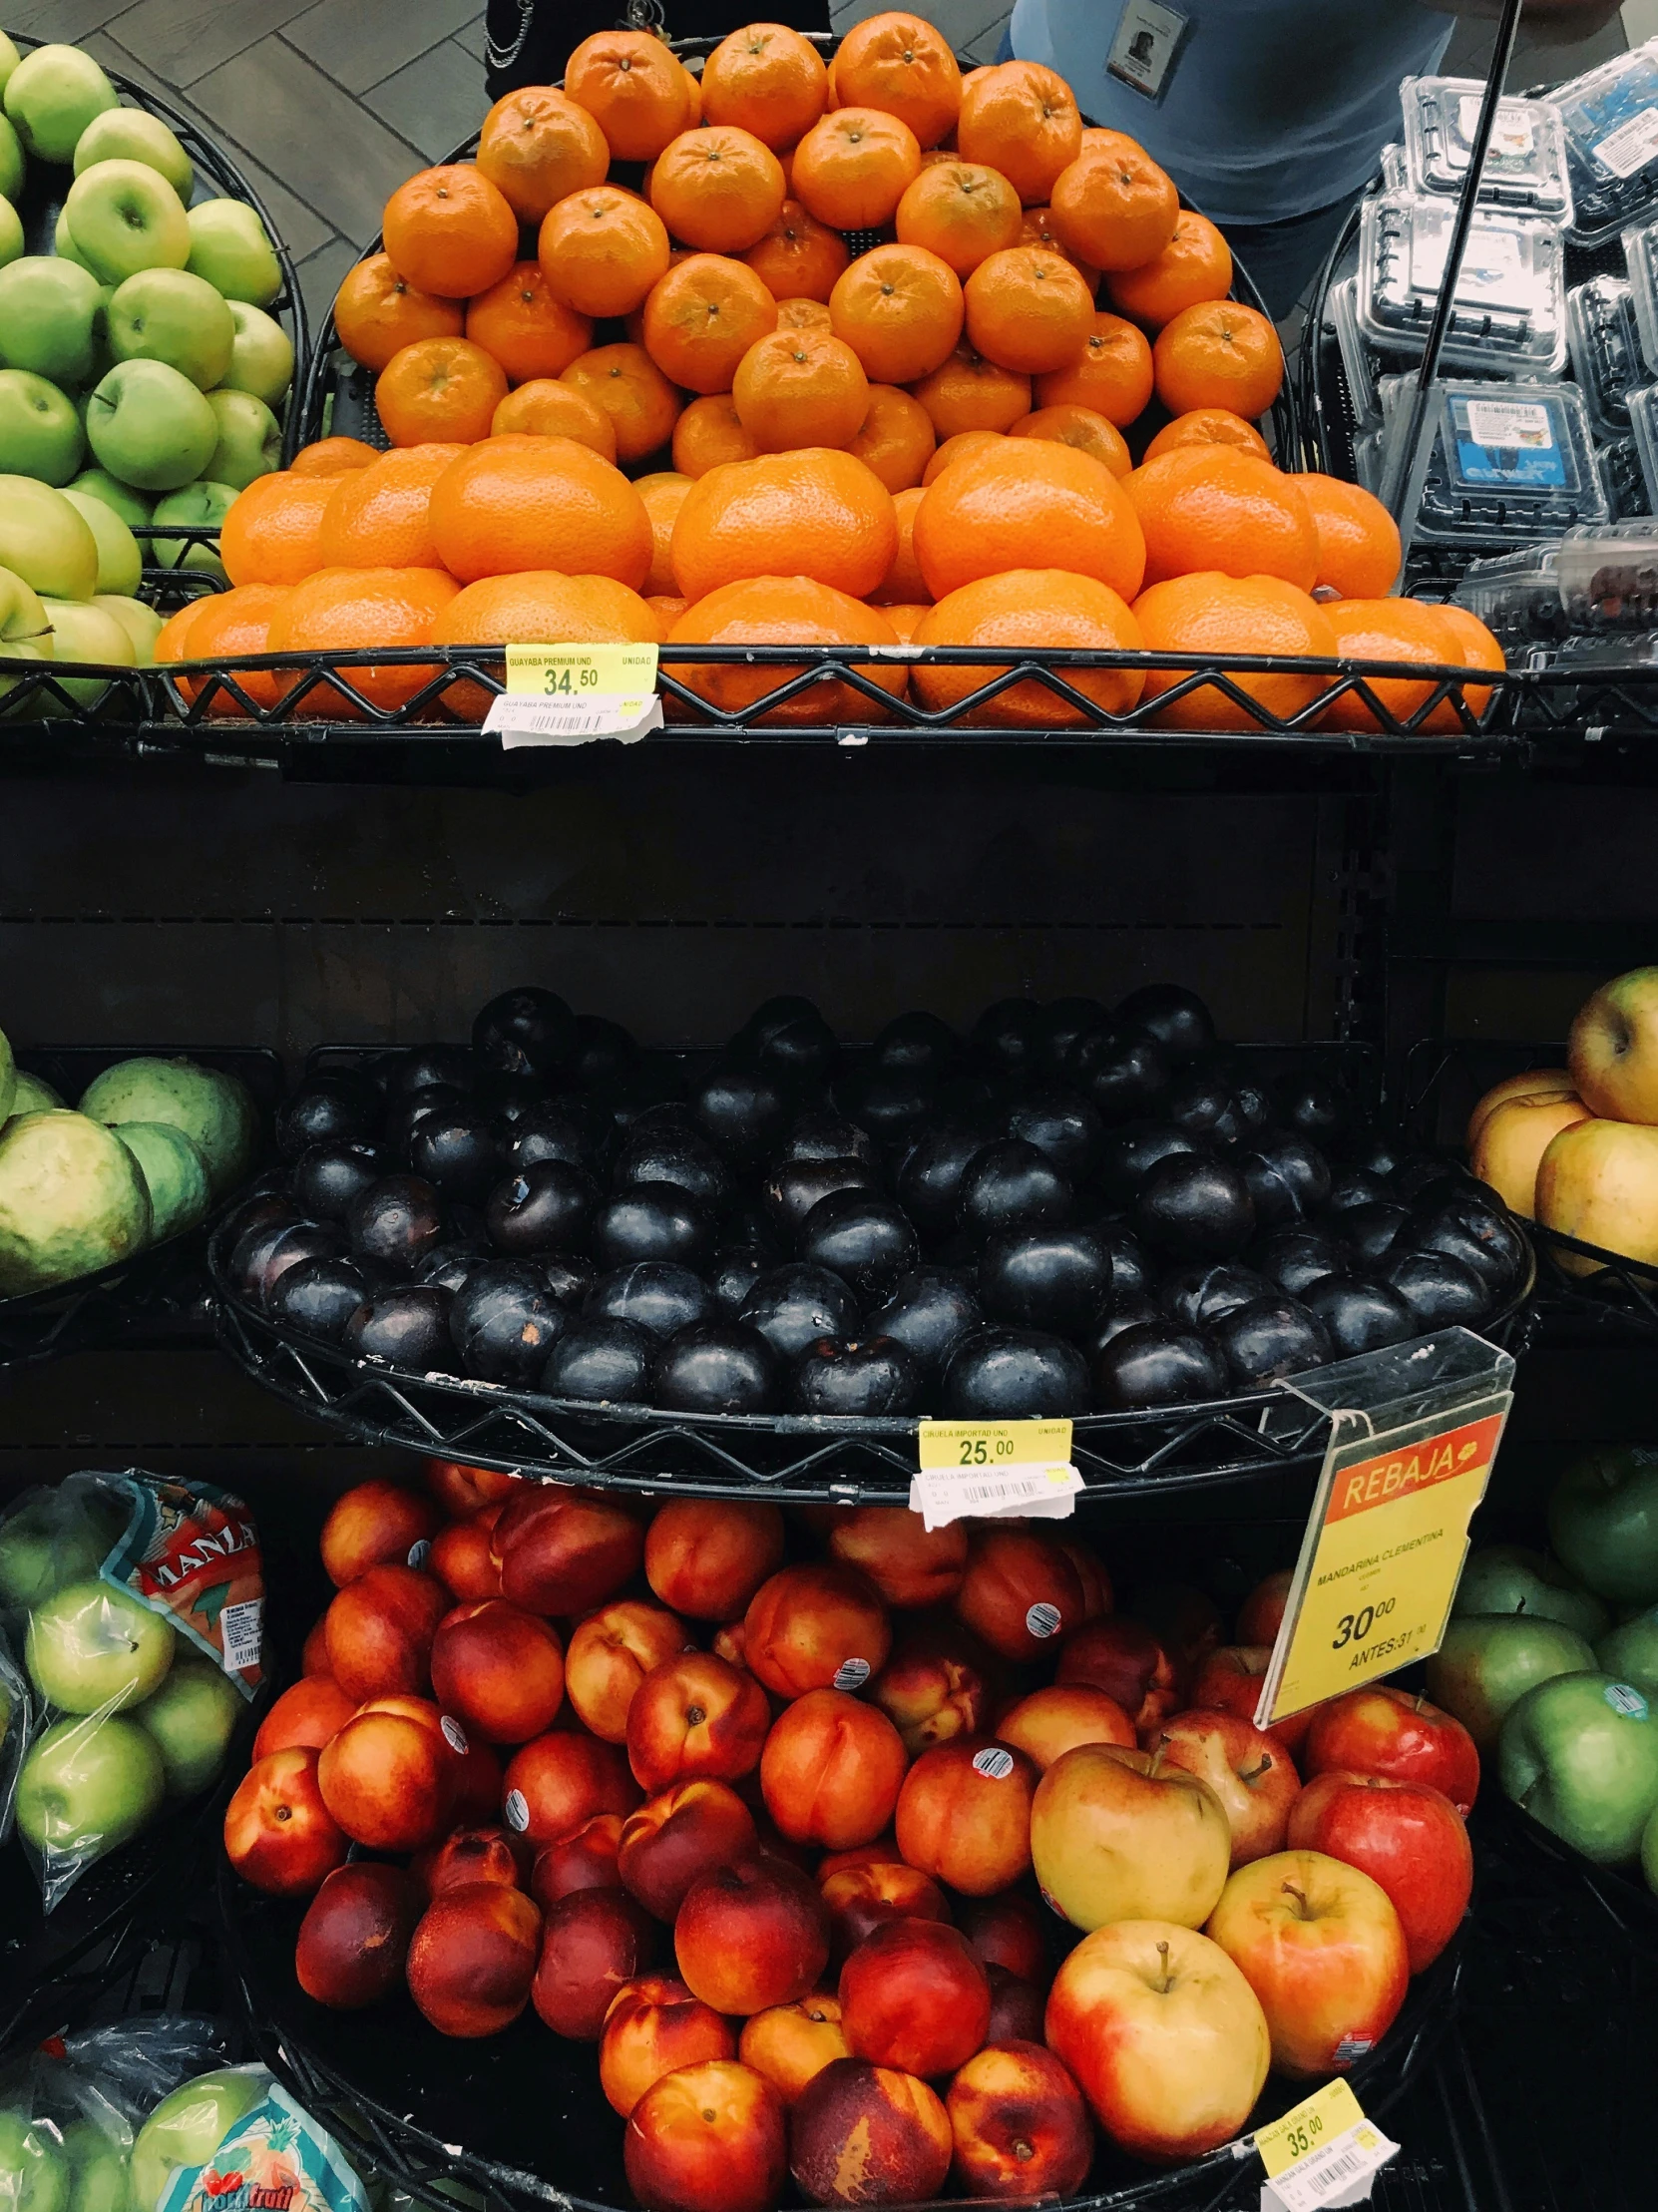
1066 1209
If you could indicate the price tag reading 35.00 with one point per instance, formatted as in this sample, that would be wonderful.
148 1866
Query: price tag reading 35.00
1322 2153
571 695
985 1468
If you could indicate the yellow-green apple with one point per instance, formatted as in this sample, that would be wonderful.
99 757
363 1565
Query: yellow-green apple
84 630
151 426
1126 1835
131 505
11 156
249 440
9 59
11 222
1163 2036
24 634
34 2172
93 1647
143 626
1512 1578
1322 1947
187 2127
1612 1049
1408 1838
1580 1755
1509 1148
40 432
1254 1777
120 563
1599 1181
166 314
88 1784
123 217
49 312
261 357
1488 1661
40 1547
1629 1652
63 244
130 134
1382 1730
192 1718
1603 1521
227 246
203 505
51 97
1535 1083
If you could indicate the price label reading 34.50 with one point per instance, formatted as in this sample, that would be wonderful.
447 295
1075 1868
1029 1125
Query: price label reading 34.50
571 695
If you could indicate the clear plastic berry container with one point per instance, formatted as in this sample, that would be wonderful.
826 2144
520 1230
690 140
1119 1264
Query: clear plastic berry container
1509 464
1608 577
1525 163
1610 116
1604 340
1509 315
1517 597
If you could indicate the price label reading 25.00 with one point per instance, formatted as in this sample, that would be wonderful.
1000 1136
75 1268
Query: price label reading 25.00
994 1467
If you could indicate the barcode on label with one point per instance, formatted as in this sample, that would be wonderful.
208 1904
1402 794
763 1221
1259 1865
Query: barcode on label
243 1628
1631 145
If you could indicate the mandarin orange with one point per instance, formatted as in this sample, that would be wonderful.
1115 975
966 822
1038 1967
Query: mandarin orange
897 438
1209 426
804 314
1360 552
272 533
1021 119
549 408
235 625
1029 310
703 317
960 210
717 189
449 231
966 392
817 513
709 433
1479 651
852 169
1025 504
800 388
1208 507
377 312
799 258
1031 607
1082 427
787 609
953 448
903 584
528 331
768 79
905 616
901 64
1392 631
663 495
538 145
1115 207
900 309
625 384
1215 617
532 607
358 610
379 517
332 457
601 250
1220 354
1194 266
173 639
1113 373
440 388
524 503
633 87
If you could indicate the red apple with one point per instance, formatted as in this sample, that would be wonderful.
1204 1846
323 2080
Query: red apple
1395 1734
279 1832
1409 1837
1261 1614
1127 1836
708 2138
1230 1681
1254 1777
1020 2125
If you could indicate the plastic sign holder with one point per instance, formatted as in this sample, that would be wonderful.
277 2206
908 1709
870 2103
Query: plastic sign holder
571 695
991 1468
1322 2153
1415 1431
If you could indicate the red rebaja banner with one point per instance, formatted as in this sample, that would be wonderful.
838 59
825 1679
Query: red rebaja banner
191 1552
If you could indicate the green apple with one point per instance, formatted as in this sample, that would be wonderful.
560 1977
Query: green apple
1488 1661
199 506
87 1785
191 1717
24 634
142 624
51 97
33 1096
97 2169
249 440
84 630
92 1646
166 314
34 2174
49 313
187 2127
123 217
150 426
1580 1755
1630 1651
40 432
8 1091
9 59
44 541
261 359
129 135
131 505
1510 1579
228 246
41 1548
64 246
1603 1522
120 563
11 229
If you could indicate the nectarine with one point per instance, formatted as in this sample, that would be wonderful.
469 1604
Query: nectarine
1058 1718
676 1838
376 1525
695 1714
611 1654
592 1943
1019 1593
929 1692
963 1814
355 1936
914 1994
460 1490
831 1770
562 1552
792 2044
461 1559
278 1832
706 1556
309 1711
707 2138
868 2135
862 1899
557 1783
502 1669
751 1936
909 1563
472 1958
584 1861
654 2027
388 1779
816 1628
380 1630
1019 2124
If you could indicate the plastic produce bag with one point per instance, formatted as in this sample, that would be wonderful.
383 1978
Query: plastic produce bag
16 1729
138 1605
71 2110
235 2141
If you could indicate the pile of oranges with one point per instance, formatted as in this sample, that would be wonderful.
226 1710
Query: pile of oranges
641 386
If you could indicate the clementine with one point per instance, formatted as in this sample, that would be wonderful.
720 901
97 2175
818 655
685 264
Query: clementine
1021 119
905 616
1209 426
1390 631
450 232
273 532
1479 651
1359 554
547 408
953 448
904 583
1020 505
1082 427
601 250
378 516
537 146
852 169
1036 227
521 502
634 88
1214 616
625 384
355 609
1194 267
784 611
799 388
535 605
663 495
1115 207
719 188
966 392
529 331
703 317
443 388
1208 507
708 433
897 438
960 210
332 457
377 312
817 513
1029 310
1031 607
172 640
900 309
235 625
1220 354
799 258
804 314
902 65
768 80
1112 374
667 607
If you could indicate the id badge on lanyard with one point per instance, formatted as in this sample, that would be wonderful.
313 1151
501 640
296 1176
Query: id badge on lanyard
1146 48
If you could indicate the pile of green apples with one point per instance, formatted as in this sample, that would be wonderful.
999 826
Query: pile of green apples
140 373
1551 1661
85 2166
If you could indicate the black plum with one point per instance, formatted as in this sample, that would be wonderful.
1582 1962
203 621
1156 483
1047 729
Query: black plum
327 1178
1194 1208
527 1032
1294 1258
604 1054
744 1110
1129 1153
288 1245
824 1135
504 1322
1479 1234
1056 1280
734 1272
793 1190
1013 1374
1011 1185
1123 1072
1156 1364
1126 1309
1440 1290
1131 1269
1269 1339
1356 1186
658 1150
1063 1128
395 1222
929 1183
716 1367
405 1115
1176 1017
544 1208
1007 1039
1317 1109
1207 1108
450 1263
868 1377
1060 1027
863 1238
916 1045
656 1295
568 1276
320 1295
601 1362
927 1311
407 1326
433 1068
555 1128
1370 1230
1198 1295
793 1306
1288 1179
454 1149
328 1109
653 1220
891 1104
1360 1316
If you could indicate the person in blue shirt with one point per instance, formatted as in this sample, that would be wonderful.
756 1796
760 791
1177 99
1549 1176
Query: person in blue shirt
1270 115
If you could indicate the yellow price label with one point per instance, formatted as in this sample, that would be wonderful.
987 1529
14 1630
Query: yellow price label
574 674
1315 2121
969 1445
1378 1574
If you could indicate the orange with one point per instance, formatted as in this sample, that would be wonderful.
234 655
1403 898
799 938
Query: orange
952 449
663 495
1031 607
234 626
529 331
1208 507
533 608
1027 503
905 616
784 611
332 457
378 516
904 583
901 64
353 609
1082 428
1479 651
1360 555
1112 374
173 639
1221 354
900 309
799 258
1115 207
525 502
1209 426
852 169
667 607
800 388
273 532
768 79
966 392
1036 228
547 408
1194 267
537 146
1214 616
1021 119
703 317
1390 629
635 89
601 250
719 188
803 314
817 513
707 433
377 312
897 438
625 384
1029 310
445 388
960 210
451 232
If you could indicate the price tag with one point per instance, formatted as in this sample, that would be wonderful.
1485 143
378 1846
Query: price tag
988 1467
571 695
1323 2153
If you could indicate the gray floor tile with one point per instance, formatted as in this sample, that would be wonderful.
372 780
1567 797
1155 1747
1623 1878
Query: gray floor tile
68 20
181 40
275 104
1537 60
983 46
961 21
358 46
436 102
319 279
472 37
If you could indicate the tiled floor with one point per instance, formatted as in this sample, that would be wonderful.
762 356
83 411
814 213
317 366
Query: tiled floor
330 103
